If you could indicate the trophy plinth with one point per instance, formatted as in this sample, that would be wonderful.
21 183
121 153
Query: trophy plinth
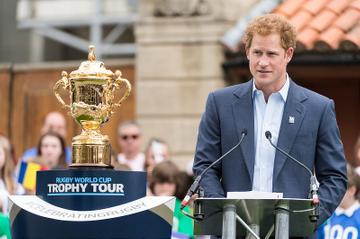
92 91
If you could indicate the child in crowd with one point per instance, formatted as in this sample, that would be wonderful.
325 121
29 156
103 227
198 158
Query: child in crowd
50 155
165 182
51 151
345 222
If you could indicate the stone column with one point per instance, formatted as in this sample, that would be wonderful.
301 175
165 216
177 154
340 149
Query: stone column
178 62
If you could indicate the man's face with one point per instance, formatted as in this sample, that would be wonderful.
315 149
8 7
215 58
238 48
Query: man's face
268 61
55 123
129 139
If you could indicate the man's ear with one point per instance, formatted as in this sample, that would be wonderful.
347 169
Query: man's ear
289 54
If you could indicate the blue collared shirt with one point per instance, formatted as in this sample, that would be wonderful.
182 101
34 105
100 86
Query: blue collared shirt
267 117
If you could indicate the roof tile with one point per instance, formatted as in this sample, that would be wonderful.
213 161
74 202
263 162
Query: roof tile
288 8
355 4
307 37
315 6
351 41
337 6
348 19
323 20
324 24
329 39
300 19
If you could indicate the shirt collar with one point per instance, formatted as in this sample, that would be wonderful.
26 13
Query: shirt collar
283 91
349 211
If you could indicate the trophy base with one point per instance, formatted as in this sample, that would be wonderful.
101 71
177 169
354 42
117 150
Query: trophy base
91 155
82 165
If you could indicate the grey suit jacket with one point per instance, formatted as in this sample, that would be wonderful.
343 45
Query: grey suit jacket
313 139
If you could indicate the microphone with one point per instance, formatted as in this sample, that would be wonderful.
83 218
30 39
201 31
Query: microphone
313 193
195 186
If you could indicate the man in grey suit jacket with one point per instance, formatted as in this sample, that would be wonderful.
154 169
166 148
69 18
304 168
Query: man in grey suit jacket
301 122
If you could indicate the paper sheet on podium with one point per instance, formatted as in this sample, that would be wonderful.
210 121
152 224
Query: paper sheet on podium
254 195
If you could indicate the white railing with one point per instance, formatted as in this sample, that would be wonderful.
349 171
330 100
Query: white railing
49 17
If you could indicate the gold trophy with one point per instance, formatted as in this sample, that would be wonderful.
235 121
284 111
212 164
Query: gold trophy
92 92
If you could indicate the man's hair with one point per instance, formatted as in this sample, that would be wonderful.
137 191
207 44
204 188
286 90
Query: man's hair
52 114
268 24
128 123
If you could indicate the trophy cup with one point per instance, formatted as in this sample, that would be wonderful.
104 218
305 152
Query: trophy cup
87 200
92 92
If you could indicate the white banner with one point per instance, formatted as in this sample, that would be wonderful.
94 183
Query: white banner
37 206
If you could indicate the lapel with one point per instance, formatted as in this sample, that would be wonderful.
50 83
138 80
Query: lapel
288 131
243 113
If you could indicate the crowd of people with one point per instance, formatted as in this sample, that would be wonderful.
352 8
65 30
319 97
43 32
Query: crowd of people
164 178
163 175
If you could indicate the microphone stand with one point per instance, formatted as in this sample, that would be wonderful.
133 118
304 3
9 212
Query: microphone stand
313 192
195 186
198 207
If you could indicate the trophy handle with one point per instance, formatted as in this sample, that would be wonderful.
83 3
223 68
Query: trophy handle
118 85
64 82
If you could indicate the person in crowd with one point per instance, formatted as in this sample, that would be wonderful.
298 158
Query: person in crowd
10 147
116 165
157 150
165 181
54 122
8 183
130 139
357 156
271 107
51 151
51 155
345 222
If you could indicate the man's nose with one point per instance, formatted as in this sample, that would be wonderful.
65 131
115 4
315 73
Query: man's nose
263 62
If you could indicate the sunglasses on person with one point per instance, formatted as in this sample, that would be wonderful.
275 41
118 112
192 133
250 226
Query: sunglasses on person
126 137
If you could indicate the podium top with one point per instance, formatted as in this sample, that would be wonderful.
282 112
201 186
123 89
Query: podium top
260 212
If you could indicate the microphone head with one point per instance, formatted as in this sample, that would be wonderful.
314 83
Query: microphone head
244 132
268 134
